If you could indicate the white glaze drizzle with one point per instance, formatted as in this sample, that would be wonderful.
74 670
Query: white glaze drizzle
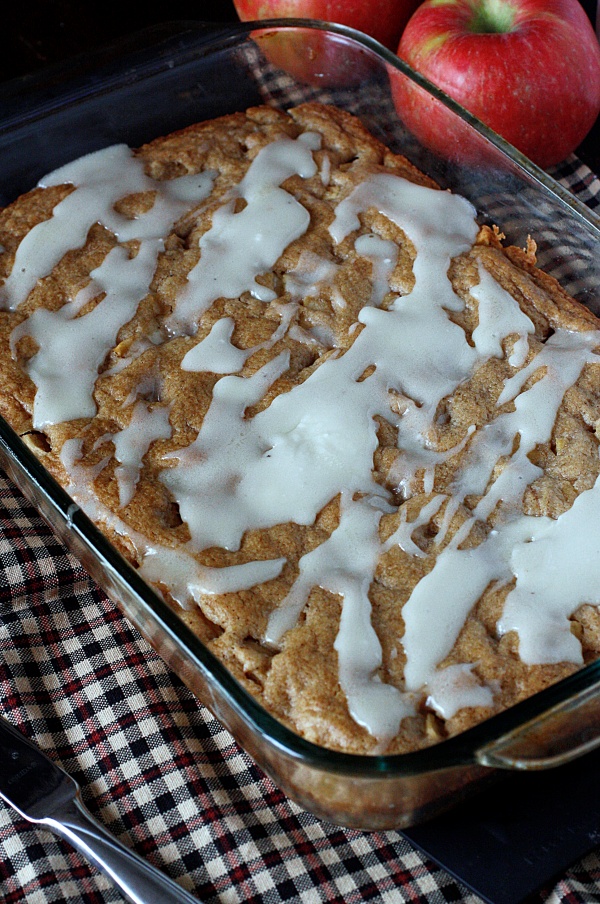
72 346
215 353
499 316
456 686
383 255
252 239
557 561
188 580
236 474
309 276
403 535
185 577
101 179
147 424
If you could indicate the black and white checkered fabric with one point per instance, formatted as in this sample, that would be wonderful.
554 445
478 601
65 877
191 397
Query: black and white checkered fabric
155 766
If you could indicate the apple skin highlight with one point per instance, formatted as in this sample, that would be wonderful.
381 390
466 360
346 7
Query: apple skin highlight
528 69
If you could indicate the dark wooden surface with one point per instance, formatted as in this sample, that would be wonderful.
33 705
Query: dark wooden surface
41 33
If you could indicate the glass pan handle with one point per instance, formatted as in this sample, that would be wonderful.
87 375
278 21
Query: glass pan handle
564 732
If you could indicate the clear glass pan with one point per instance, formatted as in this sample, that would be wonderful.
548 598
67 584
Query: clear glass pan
166 81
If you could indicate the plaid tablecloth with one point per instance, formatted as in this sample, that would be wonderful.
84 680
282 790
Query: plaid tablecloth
158 770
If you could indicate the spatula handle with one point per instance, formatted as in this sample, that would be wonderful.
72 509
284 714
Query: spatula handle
138 881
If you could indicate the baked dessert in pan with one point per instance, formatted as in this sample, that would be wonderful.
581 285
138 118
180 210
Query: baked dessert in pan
347 433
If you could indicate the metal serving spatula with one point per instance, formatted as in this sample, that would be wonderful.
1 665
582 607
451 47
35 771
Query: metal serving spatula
43 793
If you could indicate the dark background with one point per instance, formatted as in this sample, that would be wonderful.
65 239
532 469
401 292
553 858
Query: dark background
39 34
36 33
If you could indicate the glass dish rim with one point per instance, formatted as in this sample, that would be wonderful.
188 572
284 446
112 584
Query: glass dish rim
460 749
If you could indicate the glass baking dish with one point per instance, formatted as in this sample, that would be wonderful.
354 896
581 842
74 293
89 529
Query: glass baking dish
189 72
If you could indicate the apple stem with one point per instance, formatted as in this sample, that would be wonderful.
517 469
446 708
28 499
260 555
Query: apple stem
492 17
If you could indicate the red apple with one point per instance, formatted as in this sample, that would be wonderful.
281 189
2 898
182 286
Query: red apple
322 59
383 20
529 69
